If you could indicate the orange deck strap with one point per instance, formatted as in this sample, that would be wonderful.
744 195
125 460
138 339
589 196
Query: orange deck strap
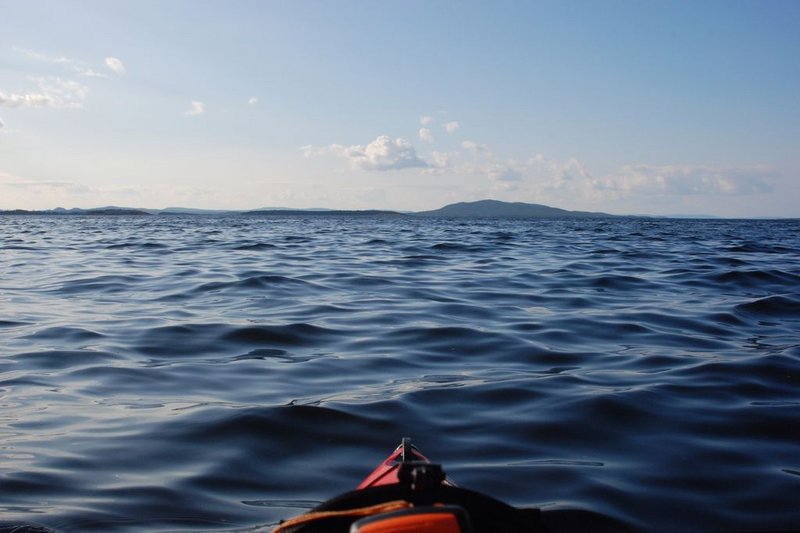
413 523
394 505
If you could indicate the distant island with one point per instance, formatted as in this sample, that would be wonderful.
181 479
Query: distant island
479 209
100 211
498 209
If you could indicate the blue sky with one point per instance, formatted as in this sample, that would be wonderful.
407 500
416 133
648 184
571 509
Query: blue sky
624 107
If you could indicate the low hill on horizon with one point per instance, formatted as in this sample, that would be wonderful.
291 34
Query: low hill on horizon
498 209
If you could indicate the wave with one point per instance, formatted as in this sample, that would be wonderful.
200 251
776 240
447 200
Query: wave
225 373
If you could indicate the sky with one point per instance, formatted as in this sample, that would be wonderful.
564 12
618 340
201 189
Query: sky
626 107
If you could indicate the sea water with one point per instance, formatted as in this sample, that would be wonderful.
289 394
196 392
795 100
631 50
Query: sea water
219 373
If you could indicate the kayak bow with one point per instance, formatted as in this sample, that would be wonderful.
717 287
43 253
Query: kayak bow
407 493
387 472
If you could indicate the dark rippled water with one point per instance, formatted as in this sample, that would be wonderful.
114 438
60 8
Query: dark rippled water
222 373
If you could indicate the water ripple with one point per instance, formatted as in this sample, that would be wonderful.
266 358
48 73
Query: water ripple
186 373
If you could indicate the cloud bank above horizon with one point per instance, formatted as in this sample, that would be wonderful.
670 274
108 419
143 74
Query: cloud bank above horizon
290 123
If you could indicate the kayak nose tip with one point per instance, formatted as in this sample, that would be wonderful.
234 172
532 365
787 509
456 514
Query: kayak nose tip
405 450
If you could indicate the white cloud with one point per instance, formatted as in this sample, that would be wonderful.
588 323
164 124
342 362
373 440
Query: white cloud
689 180
504 172
570 181
384 153
74 66
472 146
310 151
115 65
197 108
426 135
536 177
425 120
52 92
451 127
252 100
67 93
2 124
26 100
33 54
442 160
87 72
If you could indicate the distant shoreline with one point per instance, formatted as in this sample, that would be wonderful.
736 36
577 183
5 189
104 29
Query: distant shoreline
154 212
480 209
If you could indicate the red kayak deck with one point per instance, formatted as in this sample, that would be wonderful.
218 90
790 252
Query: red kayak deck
386 472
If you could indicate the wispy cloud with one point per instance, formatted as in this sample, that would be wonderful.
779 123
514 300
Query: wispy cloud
473 146
426 135
31 99
252 100
499 172
441 161
690 180
451 127
60 89
310 152
16 182
116 65
384 153
196 108
534 174
51 92
570 180
425 120
68 64
26 193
